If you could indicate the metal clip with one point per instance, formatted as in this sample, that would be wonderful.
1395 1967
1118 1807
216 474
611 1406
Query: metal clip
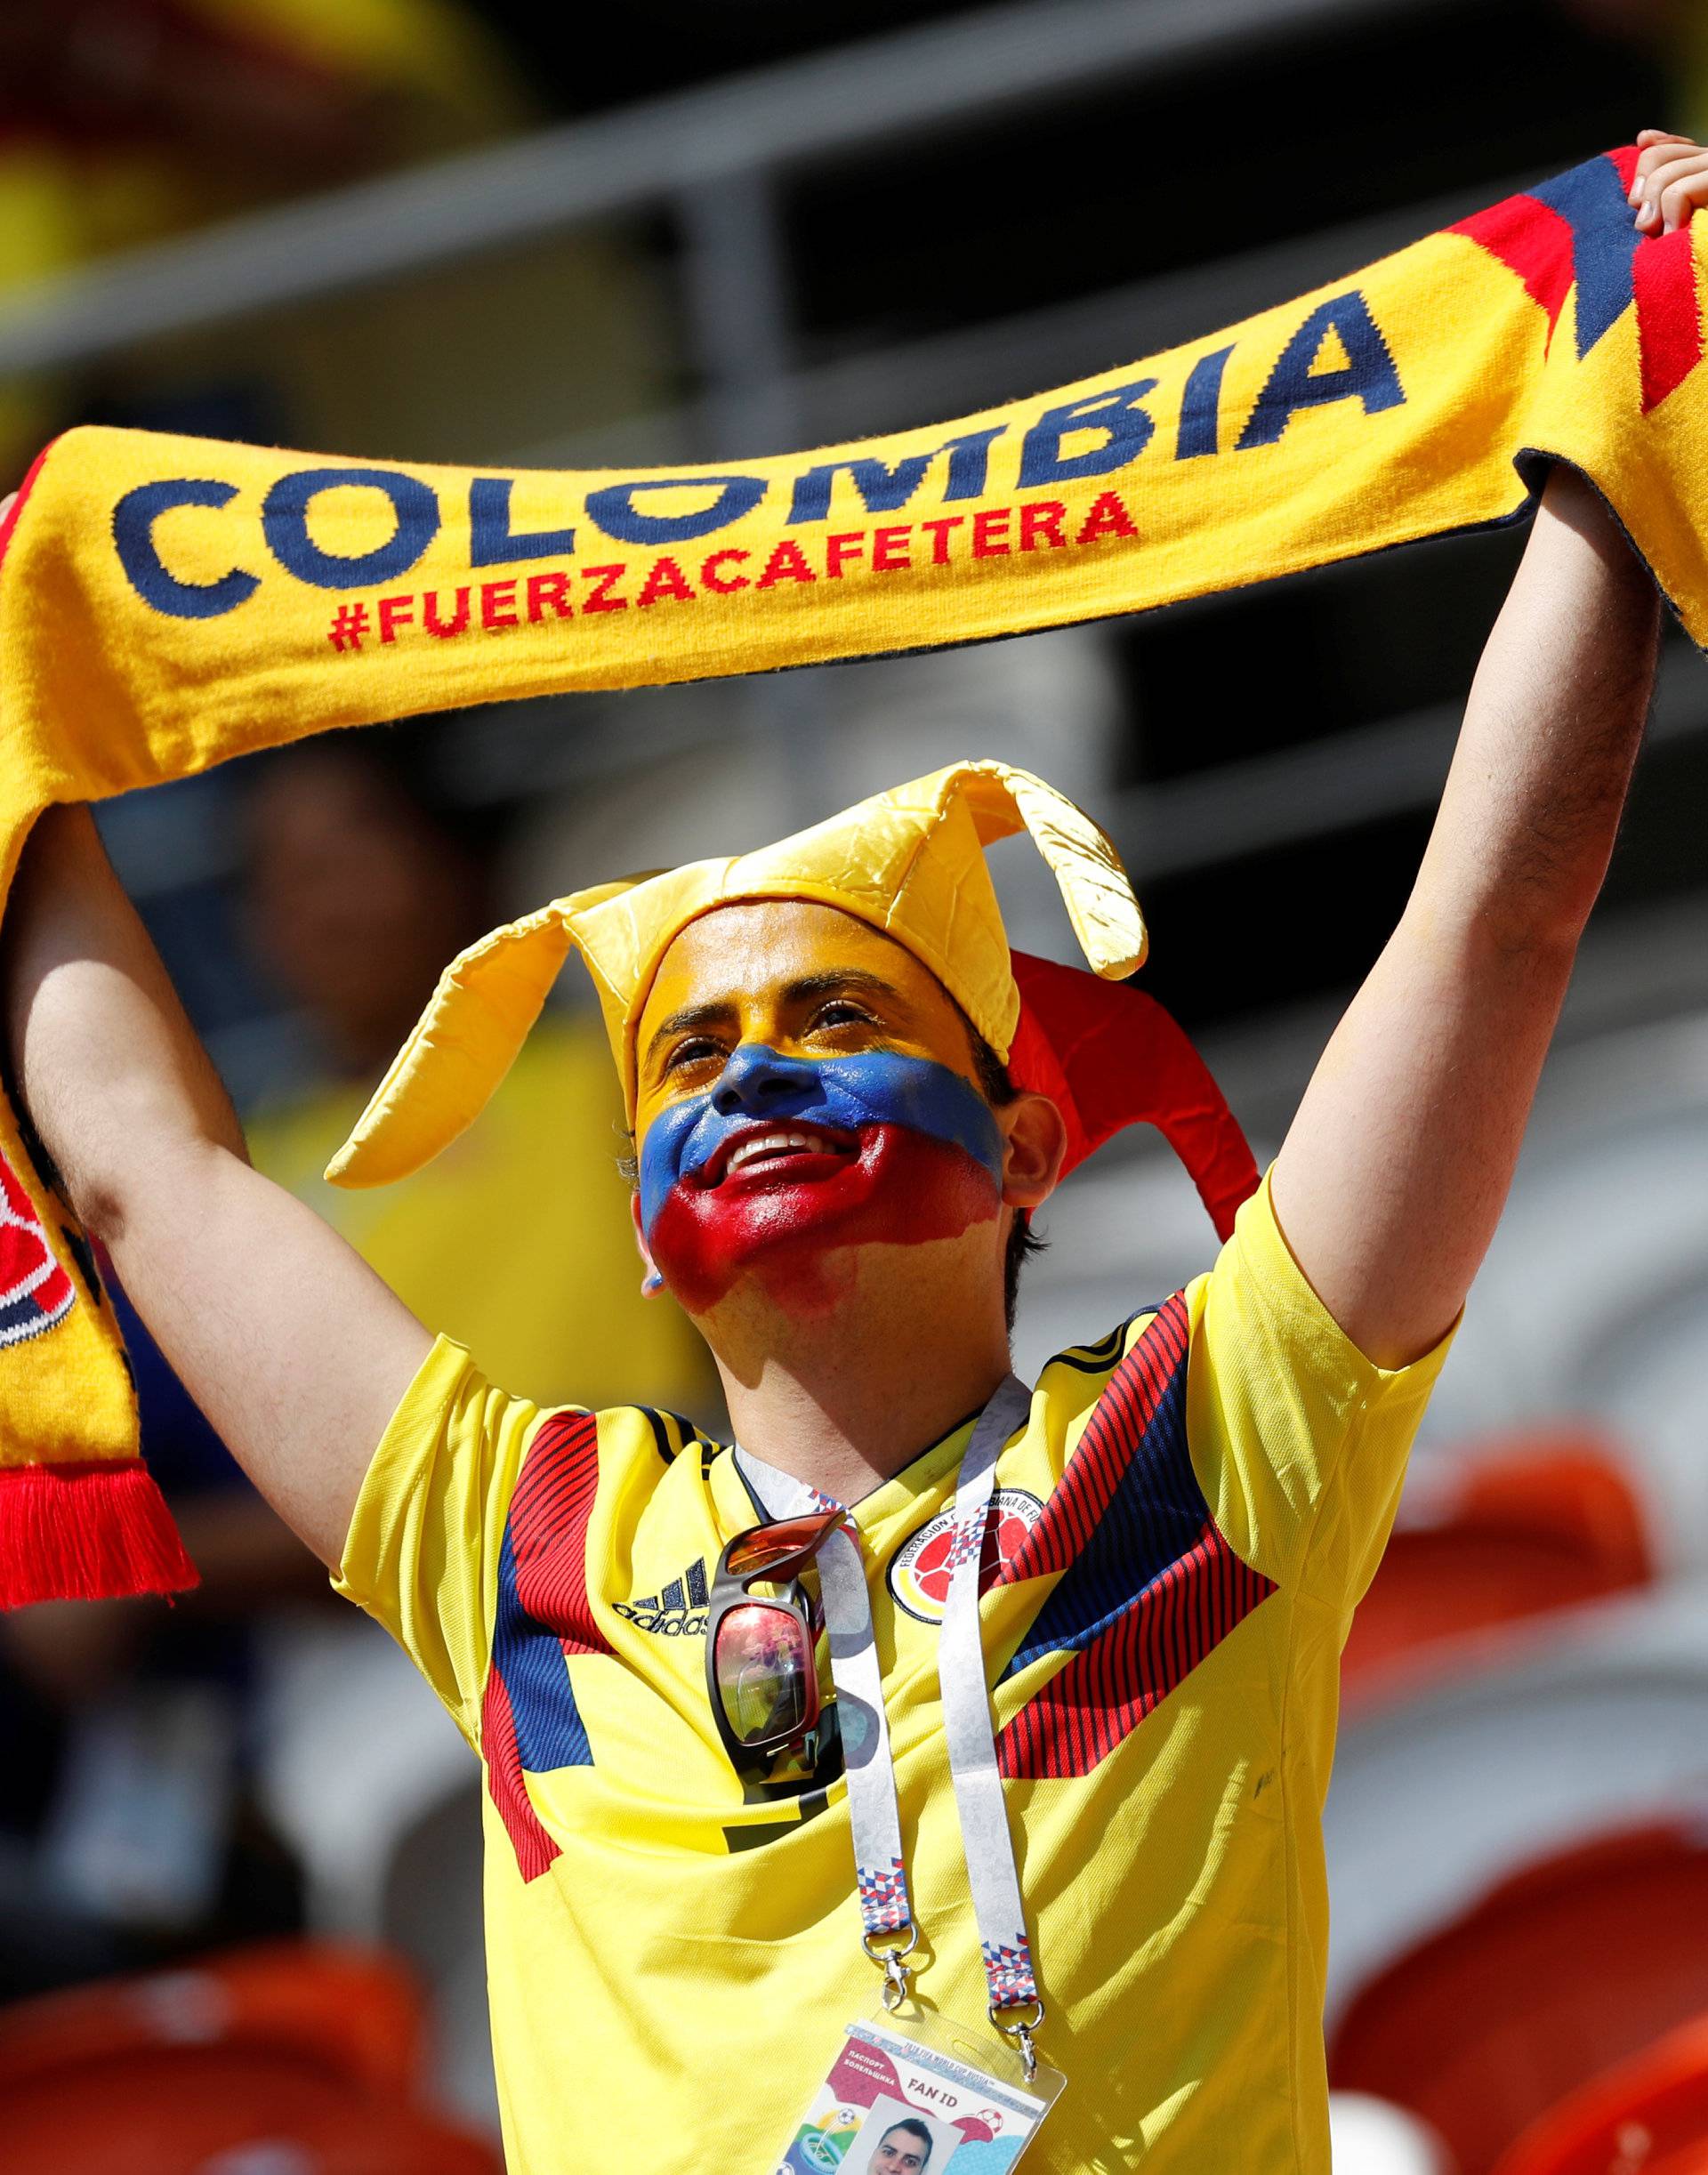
1021 2034
896 1974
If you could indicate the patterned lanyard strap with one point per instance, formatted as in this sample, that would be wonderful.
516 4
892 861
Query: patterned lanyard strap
874 1814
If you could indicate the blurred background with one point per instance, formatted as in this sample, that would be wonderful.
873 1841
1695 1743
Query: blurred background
454 229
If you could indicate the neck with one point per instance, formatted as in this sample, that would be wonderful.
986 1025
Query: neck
844 1398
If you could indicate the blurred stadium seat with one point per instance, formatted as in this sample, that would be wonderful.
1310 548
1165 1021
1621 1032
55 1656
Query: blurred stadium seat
352 2014
1562 1970
1649 2114
354 1747
1607 1221
1370 2137
293 2058
1436 1797
224 2111
1510 1531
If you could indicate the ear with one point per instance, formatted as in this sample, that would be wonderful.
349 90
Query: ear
1036 1134
651 1281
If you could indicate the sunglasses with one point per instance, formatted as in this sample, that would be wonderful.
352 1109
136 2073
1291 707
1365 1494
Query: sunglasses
762 1668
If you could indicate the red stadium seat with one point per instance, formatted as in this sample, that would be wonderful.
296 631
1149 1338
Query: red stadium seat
222 2110
1534 1523
1647 2116
355 2013
1551 1978
289 2058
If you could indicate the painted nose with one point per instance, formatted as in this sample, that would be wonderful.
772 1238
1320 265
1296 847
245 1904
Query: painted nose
756 1081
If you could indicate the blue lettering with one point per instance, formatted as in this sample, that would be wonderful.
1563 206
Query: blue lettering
1117 413
285 524
493 543
613 509
1200 430
1368 373
883 489
133 521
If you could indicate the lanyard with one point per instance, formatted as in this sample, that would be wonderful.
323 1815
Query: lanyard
874 1814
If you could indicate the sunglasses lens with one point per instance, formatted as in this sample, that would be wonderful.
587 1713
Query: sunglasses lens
766 1547
765 1673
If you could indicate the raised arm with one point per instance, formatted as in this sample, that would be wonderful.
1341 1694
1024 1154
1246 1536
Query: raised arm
288 1341
1397 1167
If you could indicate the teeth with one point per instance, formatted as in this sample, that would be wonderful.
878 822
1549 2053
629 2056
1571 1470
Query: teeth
769 1143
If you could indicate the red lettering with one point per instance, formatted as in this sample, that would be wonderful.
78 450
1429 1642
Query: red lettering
434 625
939 533
395 612
494 596
890 550
604 579
1041 518
543 589
1108 517
666 579
725 585
850 545
787 563
989 527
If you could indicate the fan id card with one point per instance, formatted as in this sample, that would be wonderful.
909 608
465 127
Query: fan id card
916 2102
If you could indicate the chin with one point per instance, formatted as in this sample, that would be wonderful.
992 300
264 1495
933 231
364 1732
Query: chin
798 1229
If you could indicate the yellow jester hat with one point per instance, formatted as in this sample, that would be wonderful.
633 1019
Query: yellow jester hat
911 862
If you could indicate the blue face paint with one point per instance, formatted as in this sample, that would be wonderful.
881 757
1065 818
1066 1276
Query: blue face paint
852 1094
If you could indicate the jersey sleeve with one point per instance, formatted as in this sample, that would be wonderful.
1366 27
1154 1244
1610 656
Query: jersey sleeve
1298 1442
422 1552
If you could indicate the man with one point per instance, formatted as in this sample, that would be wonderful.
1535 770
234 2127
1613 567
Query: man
1206 1489
903 2149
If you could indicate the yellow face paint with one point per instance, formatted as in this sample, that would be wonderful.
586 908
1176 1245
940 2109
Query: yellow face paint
791 976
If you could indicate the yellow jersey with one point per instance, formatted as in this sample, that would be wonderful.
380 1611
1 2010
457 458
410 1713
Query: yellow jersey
1183 1528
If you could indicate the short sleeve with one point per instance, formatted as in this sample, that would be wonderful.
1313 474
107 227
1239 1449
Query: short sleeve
422 1555
1298 1442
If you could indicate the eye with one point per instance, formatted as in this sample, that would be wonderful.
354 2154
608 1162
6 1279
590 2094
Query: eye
843 1012
695 1050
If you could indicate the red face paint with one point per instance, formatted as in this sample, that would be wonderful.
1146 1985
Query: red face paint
901 1188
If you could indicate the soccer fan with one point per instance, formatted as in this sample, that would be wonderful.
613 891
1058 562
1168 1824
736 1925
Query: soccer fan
834 1175
907 2156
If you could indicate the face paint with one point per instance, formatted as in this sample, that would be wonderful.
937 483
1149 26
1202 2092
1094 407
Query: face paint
785 1155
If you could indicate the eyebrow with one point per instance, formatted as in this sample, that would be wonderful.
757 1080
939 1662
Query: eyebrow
721 1012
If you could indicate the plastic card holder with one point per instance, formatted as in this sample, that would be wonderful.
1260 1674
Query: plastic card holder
914 2093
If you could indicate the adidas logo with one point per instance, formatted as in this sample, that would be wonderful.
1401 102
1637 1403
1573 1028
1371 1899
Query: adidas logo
679 1612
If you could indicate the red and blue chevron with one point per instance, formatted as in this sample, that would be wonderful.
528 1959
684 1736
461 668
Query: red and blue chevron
1148 1586
883 1897
1576 230
529 1721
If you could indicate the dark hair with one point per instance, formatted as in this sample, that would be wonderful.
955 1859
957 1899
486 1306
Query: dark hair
919 2129
1023 1241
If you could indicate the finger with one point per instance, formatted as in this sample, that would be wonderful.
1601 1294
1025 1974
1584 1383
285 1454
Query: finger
1677 164
7 504
1682 198
1658 144
1671 166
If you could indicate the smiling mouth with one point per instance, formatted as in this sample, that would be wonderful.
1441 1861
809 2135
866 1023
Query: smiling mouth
775 1149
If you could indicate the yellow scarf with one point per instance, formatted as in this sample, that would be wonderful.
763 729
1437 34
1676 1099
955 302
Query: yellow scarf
170 602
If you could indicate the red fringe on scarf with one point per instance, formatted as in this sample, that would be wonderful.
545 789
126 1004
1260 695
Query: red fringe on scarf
97 1531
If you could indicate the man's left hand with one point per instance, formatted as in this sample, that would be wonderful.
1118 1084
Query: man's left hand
1672 180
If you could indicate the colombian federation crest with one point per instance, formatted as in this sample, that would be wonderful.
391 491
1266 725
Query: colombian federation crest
35 1290
919 1570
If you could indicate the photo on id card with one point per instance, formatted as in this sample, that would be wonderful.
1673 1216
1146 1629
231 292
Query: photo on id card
891 2106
